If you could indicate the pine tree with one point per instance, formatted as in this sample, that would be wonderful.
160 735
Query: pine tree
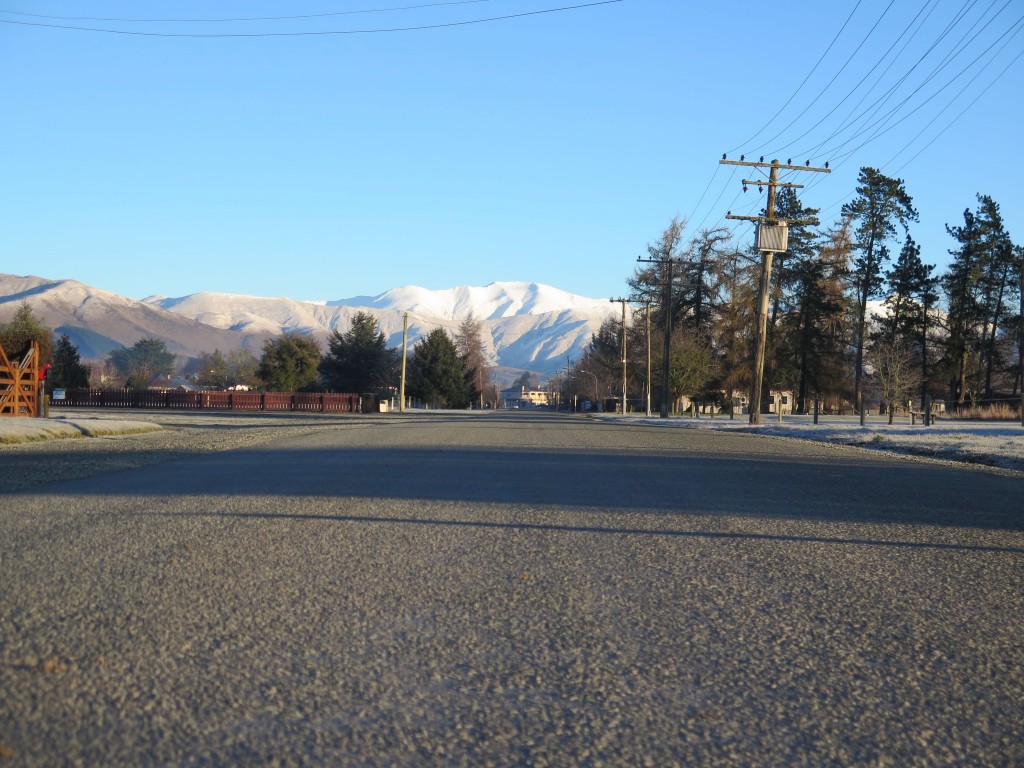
17 335
912 296
142 362
359 360
979 286
880 205
212 370
289 363
998 283
814 329
436 373
68 370
790 271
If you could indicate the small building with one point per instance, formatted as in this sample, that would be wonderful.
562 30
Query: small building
521 397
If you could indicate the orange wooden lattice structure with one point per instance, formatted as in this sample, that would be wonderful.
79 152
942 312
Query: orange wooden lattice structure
19 383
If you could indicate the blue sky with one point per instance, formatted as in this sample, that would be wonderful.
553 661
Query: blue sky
550 147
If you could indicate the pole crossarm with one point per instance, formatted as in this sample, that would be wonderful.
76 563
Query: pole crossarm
764 183
800 222
775 164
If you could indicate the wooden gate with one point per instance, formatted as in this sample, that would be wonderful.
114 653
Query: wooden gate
19 383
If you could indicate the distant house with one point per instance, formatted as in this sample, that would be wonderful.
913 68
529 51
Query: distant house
783 399
521 397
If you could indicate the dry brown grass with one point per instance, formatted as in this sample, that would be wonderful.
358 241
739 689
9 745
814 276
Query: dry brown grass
993 412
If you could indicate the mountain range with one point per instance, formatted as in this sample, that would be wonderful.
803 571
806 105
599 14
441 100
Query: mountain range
525 326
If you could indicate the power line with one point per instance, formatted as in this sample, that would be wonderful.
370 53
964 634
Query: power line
879 126
834 77
248 18
417 28
802 84
860 83
951 122
949 58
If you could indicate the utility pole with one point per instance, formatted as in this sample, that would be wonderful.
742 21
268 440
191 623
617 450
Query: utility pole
405 339
623 303
772 238
1020 333
647 304
666 263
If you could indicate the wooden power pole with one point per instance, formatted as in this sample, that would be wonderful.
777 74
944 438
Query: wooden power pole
623 303
772 238
405 341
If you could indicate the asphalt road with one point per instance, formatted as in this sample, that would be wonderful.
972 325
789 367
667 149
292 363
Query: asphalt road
508 589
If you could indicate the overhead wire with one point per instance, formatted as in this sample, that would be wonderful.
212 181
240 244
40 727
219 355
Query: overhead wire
882 128
245 18
951 122
314 33
865 77
803 83
889 121
849 121
879 103
834 77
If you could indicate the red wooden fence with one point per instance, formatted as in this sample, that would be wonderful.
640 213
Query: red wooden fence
232 401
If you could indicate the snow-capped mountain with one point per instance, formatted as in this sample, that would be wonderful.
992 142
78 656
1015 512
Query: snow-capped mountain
490 302
98 321
526 326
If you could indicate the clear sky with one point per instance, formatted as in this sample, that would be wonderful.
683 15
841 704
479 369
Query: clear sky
549 146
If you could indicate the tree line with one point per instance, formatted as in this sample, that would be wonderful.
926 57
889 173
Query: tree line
953 335
443 370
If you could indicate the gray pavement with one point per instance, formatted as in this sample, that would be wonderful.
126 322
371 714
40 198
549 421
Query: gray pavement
506 589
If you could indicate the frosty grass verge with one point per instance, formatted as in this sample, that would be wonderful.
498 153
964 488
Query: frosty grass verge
996 445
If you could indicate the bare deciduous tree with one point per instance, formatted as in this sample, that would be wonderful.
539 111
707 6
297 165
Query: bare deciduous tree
897 375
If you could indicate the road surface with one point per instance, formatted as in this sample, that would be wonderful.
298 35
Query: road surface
506 589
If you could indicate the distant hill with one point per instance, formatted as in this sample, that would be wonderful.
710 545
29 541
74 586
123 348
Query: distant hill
527 326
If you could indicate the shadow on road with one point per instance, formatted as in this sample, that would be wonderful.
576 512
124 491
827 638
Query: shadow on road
845 488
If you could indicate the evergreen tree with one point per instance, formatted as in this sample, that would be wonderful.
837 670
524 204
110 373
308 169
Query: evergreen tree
693 367
359 360
289 363
790 275
998 284
880 205
526 380
212 370
436 374
813 331
912 296
961 286
242 366
142 362
735 336
68 370
980 285
17 335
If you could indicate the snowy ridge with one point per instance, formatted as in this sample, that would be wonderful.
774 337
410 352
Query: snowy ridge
490 302
528 326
